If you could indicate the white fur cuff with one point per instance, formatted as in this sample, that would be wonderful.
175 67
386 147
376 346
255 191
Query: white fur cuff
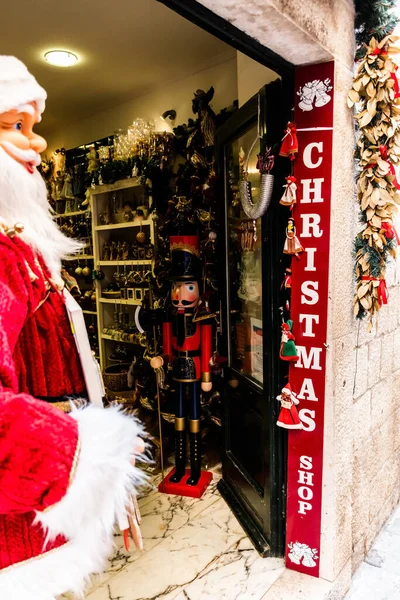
103 481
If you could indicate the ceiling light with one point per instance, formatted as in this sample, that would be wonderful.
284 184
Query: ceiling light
169 114
61 58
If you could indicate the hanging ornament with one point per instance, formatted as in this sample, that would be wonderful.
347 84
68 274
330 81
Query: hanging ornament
288 415
265 163
286 289
141 236
289 195
288 350
289 145
292 243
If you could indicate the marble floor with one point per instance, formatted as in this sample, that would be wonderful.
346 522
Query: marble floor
193 550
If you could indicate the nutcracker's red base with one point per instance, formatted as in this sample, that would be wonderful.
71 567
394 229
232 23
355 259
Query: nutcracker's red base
182 489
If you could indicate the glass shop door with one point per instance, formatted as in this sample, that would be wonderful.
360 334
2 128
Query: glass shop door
254 462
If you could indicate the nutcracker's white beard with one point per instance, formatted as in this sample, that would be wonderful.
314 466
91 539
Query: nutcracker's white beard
23 198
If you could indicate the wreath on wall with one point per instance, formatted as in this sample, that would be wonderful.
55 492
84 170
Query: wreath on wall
376 97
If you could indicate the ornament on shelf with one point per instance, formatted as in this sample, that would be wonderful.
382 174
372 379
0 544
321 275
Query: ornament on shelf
288 350
93 161
289 146
292 242
288 416
289 195
141 237
265 163
201 107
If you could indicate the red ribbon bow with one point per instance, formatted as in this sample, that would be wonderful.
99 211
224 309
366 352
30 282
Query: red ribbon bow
384 54
383 293
390 231
396 82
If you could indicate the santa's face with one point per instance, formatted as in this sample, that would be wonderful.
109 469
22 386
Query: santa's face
185 294
17 137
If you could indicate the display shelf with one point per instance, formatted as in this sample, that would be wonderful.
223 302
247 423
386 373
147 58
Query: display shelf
72 214
89 312
117 338
100 200
80 257
116 263
123 184
123 225
120 301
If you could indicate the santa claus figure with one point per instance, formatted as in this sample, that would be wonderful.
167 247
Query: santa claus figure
63 477
288 415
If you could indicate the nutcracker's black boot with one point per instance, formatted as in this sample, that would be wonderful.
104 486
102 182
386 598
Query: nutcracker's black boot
195 453
180 461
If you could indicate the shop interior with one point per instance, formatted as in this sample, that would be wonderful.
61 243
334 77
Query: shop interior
141 147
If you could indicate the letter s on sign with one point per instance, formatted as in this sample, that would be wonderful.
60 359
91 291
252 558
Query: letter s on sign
309 292
306 463
307 417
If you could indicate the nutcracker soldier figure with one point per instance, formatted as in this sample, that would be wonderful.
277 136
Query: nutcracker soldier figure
188 346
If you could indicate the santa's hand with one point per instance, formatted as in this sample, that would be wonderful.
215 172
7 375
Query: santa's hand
134 530
206 386
139 449
131 525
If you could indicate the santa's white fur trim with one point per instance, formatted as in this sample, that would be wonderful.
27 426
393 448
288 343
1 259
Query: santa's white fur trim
285 426
86 515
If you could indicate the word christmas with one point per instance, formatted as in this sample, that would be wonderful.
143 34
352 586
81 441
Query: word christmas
309 309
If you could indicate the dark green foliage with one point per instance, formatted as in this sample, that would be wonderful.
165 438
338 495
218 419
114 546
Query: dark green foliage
374 18
117 169
376 259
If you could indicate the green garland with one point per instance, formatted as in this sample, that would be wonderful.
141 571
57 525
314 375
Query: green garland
374 18
375 96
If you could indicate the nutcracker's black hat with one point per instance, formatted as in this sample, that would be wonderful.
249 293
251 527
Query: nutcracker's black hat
185 257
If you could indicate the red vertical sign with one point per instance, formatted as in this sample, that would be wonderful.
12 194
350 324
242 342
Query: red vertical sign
309 312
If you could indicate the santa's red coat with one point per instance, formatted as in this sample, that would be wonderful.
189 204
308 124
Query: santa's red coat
62 477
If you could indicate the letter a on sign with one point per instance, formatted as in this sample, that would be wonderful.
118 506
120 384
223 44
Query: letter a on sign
312 169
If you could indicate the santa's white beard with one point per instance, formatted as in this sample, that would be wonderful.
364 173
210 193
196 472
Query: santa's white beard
23 199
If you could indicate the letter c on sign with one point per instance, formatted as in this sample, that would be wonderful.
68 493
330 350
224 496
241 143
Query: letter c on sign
307 155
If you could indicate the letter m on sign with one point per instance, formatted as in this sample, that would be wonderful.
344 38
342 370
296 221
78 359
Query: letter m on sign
310 359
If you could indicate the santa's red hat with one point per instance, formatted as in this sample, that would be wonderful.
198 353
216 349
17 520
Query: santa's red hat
287 389
18 87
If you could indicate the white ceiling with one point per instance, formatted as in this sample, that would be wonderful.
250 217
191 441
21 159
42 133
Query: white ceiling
126 47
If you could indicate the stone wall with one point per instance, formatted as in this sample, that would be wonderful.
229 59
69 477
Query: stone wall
362 423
